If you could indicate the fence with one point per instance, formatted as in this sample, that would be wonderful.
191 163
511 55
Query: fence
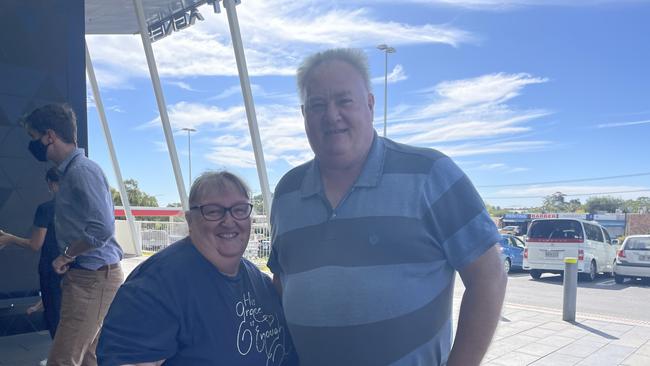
157 235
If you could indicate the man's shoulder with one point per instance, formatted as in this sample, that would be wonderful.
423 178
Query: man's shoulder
292 180
403 158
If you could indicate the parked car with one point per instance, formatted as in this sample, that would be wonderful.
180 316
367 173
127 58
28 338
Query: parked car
512 252
511 230
549 241
633 259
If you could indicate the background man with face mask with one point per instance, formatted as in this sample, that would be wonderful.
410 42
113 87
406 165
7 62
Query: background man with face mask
85 226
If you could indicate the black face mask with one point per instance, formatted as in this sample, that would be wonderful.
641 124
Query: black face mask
38 149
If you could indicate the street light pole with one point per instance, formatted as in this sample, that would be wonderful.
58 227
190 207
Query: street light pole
189 155
387 50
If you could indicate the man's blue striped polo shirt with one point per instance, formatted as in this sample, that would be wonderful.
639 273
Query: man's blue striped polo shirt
371 281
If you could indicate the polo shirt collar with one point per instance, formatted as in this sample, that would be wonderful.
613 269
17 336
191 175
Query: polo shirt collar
64 164
370 174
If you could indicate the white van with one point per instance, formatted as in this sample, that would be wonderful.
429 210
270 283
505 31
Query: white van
550 240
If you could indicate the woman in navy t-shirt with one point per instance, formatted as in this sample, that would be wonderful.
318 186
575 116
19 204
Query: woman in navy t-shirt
198 302
43 238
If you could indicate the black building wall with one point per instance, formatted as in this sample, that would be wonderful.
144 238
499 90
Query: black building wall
42 61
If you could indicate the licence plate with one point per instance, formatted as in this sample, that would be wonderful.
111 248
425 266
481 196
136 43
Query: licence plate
552 254
644 258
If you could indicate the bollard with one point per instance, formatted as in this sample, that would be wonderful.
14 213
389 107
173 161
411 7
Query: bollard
570 289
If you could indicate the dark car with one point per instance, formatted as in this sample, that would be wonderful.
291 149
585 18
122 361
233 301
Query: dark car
512 252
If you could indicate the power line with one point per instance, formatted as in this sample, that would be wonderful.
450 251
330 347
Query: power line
565 181
570 195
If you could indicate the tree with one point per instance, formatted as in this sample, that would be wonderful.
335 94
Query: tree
495 211
555 203
136 196
639 205
604 203
575 206
258 204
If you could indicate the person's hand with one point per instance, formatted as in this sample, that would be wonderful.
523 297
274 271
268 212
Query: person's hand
34 308
5 238
61 264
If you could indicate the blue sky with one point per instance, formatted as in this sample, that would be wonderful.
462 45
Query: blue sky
515 91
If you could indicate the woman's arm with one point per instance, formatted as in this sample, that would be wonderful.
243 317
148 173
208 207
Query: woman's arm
35 242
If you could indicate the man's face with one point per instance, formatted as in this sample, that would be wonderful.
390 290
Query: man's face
338 113
46 139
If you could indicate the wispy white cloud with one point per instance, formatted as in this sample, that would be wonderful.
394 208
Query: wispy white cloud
396 75
500 167
115 108
181 84
623 124
277 37
196 115
460 111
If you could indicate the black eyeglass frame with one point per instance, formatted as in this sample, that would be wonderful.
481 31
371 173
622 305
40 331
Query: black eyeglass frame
225 211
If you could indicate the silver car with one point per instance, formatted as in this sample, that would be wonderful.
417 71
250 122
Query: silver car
633 259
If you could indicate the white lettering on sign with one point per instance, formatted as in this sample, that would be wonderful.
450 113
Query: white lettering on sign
543 216
173 23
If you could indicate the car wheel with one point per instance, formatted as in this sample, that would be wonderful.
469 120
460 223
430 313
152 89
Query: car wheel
618 278
591 275
535 274
507 265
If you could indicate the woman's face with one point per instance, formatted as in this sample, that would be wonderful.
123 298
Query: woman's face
224 241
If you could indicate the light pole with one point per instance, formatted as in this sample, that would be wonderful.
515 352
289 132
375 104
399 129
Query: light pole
189 155
387 50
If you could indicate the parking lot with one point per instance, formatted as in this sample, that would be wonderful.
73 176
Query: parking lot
602 298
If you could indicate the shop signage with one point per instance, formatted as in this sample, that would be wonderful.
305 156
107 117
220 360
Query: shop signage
173 23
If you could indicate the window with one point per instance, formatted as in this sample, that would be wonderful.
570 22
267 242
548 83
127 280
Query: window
555 229
607 238
638 244
518 243
593 232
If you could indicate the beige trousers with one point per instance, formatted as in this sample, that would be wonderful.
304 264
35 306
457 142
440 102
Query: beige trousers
86 298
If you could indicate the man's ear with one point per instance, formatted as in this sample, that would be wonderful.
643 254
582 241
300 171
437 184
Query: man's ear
188 216
371 104
51 136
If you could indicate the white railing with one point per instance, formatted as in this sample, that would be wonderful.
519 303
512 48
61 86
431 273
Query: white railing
157 235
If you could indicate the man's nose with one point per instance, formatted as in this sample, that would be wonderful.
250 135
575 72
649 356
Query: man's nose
332 113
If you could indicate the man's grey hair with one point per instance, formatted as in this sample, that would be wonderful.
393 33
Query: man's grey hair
218 181
353 56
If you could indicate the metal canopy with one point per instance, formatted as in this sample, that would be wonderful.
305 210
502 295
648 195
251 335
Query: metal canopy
118 16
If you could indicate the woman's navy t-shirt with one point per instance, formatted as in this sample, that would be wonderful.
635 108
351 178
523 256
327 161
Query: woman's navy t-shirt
177 306
44 218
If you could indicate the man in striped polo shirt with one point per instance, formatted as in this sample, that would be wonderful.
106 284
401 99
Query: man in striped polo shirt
367 237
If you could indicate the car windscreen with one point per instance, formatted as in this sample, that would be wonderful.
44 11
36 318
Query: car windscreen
637 244
556 230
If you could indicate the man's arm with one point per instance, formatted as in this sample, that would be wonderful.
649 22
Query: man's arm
277 284
61 264
35 241
485 287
